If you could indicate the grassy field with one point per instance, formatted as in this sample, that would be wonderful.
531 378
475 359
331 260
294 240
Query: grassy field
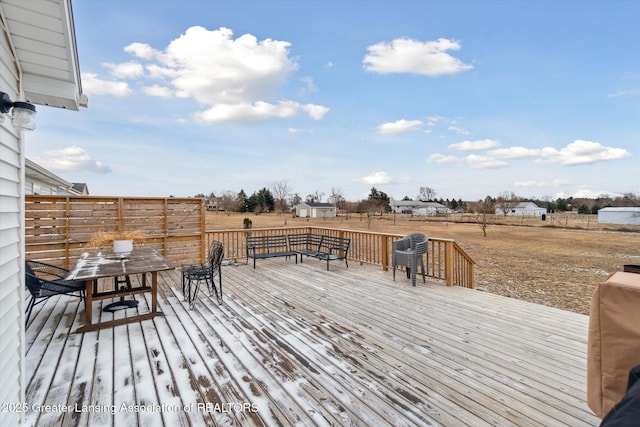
557 262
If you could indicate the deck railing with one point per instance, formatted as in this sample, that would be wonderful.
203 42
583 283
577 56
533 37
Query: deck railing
445 260
58 229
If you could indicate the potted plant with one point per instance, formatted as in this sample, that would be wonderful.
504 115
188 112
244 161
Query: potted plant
120 241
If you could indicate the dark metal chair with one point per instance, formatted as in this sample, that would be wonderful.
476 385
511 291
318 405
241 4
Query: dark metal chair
45 281
408 252
203 272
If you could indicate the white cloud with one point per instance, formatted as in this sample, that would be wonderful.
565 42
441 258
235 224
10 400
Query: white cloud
92 85
213 68
298 130
70 159
484 162
316 112
441 158
459 130
381 177
309 86
514 152
375 178
126 70
413 56
624 93
259 110
480 144
582 152
159 91
540 184
141 50
399 126
236 79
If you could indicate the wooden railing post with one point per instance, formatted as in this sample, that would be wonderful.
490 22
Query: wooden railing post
448 263
384 243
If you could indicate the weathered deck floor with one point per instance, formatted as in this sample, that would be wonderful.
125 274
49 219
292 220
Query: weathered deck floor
297 345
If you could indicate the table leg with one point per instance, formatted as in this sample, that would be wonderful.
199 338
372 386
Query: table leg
88 299
154 292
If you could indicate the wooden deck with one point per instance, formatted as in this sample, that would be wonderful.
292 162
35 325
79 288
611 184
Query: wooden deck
299 345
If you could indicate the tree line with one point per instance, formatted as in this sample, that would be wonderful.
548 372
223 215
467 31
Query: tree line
280 198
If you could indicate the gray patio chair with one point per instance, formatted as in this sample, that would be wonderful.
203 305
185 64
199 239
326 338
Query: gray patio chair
203 272
408 252
45 281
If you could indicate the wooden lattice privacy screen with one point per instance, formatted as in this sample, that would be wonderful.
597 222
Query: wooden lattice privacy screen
58 228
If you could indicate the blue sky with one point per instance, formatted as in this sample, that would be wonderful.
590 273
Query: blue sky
468 98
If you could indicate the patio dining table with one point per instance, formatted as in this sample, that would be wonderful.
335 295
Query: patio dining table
97 265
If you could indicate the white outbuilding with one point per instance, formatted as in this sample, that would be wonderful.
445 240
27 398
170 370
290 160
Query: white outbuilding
524 209
316 210
623 215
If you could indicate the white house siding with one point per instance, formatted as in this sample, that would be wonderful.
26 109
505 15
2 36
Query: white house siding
11 249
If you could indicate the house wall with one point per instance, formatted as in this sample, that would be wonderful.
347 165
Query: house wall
12 349
322 213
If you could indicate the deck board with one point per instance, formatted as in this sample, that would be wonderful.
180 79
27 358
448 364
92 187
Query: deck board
300 345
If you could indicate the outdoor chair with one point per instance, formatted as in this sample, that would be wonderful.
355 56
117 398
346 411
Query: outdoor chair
408 252
45 281
192 275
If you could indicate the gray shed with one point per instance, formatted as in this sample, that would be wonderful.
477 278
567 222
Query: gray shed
625 216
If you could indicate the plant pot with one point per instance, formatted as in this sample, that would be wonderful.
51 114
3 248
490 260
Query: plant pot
122 246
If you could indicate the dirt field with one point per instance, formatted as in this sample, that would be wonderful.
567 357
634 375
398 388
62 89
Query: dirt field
530 260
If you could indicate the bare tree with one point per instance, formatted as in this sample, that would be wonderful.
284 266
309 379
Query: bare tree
315 197
281 192
336 197
228 202
484 213
507 201
427 194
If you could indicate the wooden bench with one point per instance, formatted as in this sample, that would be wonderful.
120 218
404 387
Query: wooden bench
320 246
268 247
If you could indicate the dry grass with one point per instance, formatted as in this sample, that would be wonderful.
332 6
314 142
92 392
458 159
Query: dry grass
530 259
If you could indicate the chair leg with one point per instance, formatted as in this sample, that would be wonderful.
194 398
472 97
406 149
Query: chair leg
32 303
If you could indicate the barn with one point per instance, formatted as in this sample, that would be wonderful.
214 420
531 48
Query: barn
623 215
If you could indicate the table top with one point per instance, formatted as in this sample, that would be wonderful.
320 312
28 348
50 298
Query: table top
95 265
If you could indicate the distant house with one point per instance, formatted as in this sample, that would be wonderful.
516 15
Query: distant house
524 209
419 208
624 215
316 210
38 180
80 188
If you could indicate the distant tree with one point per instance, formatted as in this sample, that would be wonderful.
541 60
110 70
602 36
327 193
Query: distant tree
261 202
242 201
595 208
336 197
562 205
296 199
584 209
315 197
406 199
228 202
484 213
382 198
281 192
426 194
507 201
